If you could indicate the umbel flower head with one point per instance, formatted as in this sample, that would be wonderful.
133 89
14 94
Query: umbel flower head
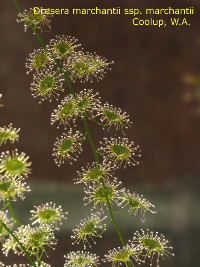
120 151
125 255
48 214
88 229
47 84
81 259
152 245
70 108
111 116
96 193
4 219
14 164
35 20
33 239
67 147
12 187
94 173
8 133
86 66
38 60
62 46
135 203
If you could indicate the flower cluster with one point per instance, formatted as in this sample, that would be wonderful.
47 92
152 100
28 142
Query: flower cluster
86 102
86 66
34 20
26 240
64 59
33 240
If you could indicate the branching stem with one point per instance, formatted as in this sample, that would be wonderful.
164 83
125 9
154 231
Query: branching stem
85 123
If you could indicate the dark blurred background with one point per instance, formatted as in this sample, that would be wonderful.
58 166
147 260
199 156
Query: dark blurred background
147 82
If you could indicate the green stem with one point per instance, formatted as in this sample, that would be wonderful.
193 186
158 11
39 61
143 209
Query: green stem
13 214
19 243
102 181
85 123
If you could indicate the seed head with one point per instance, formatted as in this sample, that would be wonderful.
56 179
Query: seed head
86 66
14 164
62 46
67 147
152 244
47 84
81 259
96 193
12 187
88 229
48 214
120 151
125 255
38 60
39 21
111 116
8 133
135 203
33 239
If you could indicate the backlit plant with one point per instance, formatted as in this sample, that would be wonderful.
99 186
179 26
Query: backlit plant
63 60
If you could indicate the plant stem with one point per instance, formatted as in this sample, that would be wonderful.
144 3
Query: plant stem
22 247
102 181
85 123
13 214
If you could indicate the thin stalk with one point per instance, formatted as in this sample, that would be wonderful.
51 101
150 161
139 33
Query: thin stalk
13 214
102 181
85 123
19 243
